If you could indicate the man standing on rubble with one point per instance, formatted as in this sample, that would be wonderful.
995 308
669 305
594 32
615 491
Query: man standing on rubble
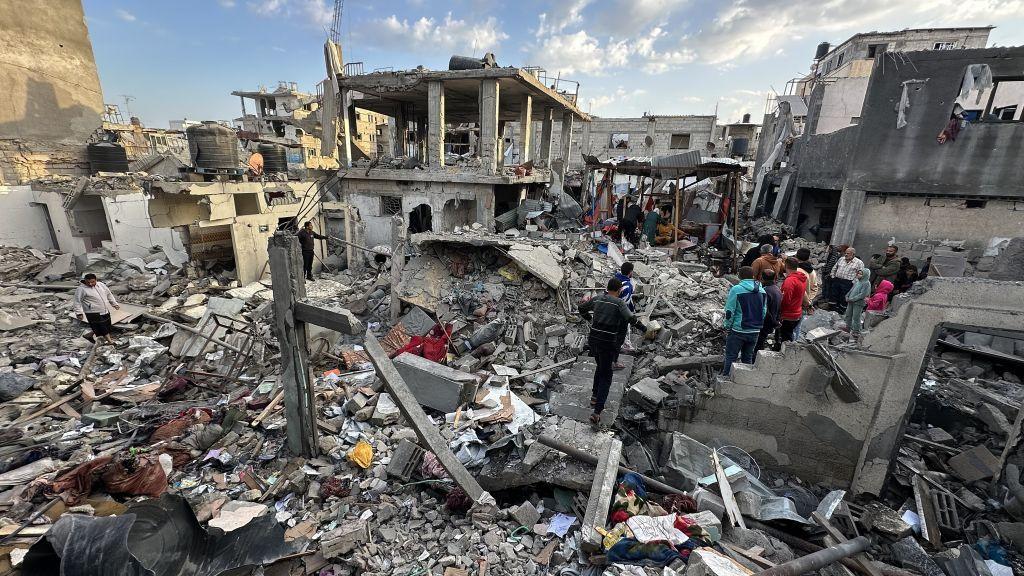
768 260
794 290
306 237
609 314
93 301
844 274
884 266
745 310
772 320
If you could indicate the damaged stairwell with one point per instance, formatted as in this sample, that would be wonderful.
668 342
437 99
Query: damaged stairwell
783 410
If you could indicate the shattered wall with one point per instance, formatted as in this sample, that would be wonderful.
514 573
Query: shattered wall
50 88
984 160
778 410
935 220
451 204
24 221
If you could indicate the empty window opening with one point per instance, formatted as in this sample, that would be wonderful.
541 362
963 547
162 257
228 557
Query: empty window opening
679 142
944 46
420 219
974 204
876 49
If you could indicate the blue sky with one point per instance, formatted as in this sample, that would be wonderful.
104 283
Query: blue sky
183 58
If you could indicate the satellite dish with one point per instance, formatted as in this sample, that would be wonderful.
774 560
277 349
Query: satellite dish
648 141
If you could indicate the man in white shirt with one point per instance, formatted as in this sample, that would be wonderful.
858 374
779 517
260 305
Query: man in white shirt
93 302
844 274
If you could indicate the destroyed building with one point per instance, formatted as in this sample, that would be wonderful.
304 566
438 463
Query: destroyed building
423 404
931 160
433 187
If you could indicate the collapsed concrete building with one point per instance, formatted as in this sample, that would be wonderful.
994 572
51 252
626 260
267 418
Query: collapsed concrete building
433 187
930 161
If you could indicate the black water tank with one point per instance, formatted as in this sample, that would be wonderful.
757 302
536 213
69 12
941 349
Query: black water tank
275 158
472 63
821 51
212 146
107 157
739 146
746 118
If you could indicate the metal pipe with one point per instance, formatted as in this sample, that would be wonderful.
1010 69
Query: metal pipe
819 559
591 459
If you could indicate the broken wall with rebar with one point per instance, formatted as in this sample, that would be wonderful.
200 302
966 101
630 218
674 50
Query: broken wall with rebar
787 412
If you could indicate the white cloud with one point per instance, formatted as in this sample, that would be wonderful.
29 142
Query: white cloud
316 13
579 52
447 35
125 15
625 102
732 106
561 16
227 3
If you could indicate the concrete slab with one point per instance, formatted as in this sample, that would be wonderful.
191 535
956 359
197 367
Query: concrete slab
601 491
435 385
573 401
541 464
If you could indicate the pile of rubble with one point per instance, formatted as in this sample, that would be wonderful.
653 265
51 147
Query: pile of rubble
461 447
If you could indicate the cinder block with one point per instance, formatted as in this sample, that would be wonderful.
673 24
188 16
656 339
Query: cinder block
435 385
344 539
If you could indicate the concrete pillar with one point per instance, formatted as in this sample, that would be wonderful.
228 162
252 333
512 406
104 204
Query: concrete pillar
344 132
546 130
399 232
435 124
851 202
489 101
421 138
566 144
526 129
401 134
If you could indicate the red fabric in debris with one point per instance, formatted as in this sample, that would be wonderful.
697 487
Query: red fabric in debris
433 346
619 516
142 476
76 484
178 426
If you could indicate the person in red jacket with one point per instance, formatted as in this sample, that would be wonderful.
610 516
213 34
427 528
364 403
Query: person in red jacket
793 290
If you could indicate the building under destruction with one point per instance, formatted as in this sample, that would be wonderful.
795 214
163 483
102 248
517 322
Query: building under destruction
194 382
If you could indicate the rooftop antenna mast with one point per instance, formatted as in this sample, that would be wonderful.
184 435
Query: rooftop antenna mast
127 98
339 6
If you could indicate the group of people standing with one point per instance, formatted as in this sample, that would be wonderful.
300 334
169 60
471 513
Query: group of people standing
775 293
632 220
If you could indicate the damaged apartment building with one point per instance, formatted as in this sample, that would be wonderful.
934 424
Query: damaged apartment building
913 137
446 167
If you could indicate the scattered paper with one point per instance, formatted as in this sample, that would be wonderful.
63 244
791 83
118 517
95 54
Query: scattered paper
560 524
236 514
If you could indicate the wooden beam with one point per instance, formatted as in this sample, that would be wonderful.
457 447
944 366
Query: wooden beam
338 320
288 286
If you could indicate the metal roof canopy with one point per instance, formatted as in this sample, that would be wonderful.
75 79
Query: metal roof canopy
643 167
383 91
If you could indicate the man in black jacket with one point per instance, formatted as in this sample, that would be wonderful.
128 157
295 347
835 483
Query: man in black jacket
630 218
609 316
772 320
306 237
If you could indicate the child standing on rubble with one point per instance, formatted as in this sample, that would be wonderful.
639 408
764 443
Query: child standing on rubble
856 300
609 314
880 299
93 302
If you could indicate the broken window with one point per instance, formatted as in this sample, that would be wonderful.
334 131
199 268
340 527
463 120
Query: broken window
944 46
679 142
390 205
876 49
985 98
246 204
619 141
839 60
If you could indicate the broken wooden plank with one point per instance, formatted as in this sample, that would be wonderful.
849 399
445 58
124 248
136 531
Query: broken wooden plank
731 508
601 492
417 418
266 411
53 396
930 530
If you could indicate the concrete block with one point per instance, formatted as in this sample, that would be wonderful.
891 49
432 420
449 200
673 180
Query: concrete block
975 463
647 394
342 540
435 385
975 339
405 460
708 501
386 411
526 514
101 419
1003 344
994 419
938 435
708 521
417 322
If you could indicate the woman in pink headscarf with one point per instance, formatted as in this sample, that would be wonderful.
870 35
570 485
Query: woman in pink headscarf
880 299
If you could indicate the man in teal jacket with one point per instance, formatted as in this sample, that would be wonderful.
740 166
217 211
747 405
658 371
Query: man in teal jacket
744 316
